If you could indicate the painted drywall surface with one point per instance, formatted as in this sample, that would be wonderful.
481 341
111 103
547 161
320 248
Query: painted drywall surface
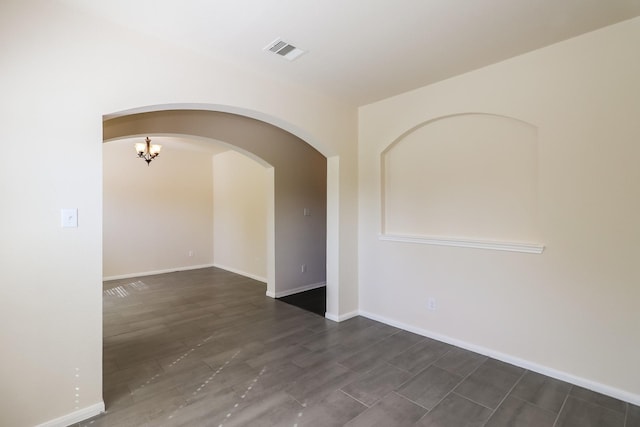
60 72
572 309
240 214
299 182
156 217
465 176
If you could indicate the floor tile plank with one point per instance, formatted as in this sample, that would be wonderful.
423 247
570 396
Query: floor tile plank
544 392
517 412
580 413
392 411
456 411
490 383
430 386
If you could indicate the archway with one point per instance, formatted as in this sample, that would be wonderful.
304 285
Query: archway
298 249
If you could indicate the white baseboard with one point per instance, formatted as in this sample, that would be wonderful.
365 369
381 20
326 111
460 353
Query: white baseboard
544 370
154 272
341 317
299 289
240 272
76 416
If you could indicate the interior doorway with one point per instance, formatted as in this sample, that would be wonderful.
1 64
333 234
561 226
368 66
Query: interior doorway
298 214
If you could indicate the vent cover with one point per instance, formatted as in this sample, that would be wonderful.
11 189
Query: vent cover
284 49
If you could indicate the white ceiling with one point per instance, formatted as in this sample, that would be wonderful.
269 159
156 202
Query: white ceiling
364 50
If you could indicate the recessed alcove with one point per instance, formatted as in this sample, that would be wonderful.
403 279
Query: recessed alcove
463 180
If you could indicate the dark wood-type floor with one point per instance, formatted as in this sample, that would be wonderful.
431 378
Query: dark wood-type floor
314 300
208 348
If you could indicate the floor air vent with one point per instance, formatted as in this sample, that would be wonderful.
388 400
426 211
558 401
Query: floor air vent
284 49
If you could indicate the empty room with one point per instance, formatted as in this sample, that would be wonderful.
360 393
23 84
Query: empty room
459 179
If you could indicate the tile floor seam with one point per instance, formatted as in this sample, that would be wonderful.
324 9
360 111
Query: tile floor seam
413 401
470 400
375 343
423 417
474 369
531 404
342 366
450 391
445 353
425 339
493 412
463 378
626 415
564 402
358 400
600 406
419 372
525 402
535 405
398 367
402 397
289 394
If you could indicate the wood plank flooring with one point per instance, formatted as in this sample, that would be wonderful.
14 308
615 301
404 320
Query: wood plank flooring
208 348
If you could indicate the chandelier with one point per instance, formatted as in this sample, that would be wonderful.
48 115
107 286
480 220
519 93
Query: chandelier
148 151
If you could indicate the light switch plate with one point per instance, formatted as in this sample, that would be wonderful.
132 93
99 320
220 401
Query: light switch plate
69 218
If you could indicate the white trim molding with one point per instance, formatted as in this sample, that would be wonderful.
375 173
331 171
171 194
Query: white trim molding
341 317
152 273
240 272
530 248
298 290
75 416
187 268
544 370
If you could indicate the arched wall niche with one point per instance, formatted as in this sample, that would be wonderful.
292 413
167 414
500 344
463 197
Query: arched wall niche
468 179
300 182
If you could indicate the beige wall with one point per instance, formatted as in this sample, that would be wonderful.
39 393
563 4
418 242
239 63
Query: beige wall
184 207
61 71
571 311
463 176
156 218
240 214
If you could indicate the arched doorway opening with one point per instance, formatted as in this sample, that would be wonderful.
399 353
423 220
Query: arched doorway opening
297 247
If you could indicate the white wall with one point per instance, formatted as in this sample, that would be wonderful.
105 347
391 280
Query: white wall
61 71
241 190
155 216
571 311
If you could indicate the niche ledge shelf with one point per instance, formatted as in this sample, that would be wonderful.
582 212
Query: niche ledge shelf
531 248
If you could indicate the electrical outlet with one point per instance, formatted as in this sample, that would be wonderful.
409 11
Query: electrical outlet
69 218
432 304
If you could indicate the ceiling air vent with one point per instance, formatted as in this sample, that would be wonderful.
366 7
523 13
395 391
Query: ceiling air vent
284 49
